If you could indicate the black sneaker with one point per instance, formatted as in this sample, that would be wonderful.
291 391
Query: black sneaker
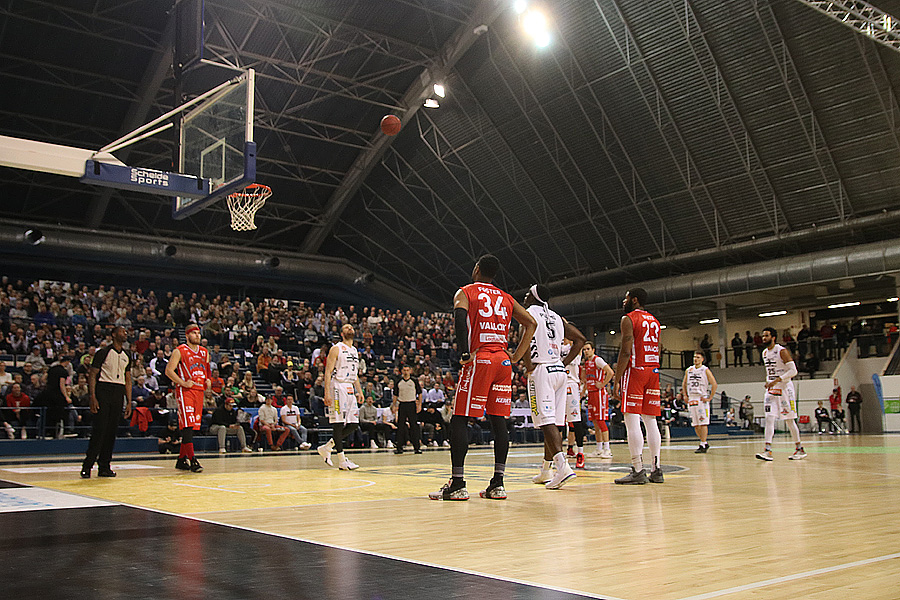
398 451
195 466
418 451
450 492
656 476
106 473
699 450
633 478
182 464
85 473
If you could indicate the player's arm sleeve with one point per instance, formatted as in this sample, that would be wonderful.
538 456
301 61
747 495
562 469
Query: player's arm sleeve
461 326
791 371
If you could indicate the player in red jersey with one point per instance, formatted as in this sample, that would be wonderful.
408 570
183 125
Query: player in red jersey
637 385
595 375
188 370
482 314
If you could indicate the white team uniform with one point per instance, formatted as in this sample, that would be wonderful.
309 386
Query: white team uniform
573 387
344 408
547 382
780 399
697 389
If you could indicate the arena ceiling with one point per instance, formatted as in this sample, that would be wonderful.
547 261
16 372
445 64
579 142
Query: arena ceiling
646 132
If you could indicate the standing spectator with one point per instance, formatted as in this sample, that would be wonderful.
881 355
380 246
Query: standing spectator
834 400
854 402
290 418
746 413
748 348
737 348
407 404
109 381
706 348
55 396
758 342
224 422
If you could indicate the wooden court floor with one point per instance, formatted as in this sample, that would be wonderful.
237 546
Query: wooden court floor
723 525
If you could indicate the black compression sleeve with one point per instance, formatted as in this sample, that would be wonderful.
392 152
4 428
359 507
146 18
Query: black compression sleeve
461 322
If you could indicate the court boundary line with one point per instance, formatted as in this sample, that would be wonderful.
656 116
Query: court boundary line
794 577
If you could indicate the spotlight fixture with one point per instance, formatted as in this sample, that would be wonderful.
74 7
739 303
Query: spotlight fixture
708 321
170 250
270 262
439 90
432 103
34 237
774 313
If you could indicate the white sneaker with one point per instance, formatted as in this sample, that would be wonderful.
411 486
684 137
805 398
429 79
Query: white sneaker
347 465
373 445
433 444
221 450
797 455
305 446
606 454
247 449
542 477
560 478
390 444
325 452
596 453
446 444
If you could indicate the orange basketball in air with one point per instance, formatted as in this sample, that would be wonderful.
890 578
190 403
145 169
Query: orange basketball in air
390 125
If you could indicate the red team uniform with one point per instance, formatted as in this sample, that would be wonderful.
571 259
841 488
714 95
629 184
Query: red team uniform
640 384
598 397
486 382
193 366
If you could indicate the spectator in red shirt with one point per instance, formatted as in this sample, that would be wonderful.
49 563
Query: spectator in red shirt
16 400
217 382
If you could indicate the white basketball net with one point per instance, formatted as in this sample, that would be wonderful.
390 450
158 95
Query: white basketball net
244 204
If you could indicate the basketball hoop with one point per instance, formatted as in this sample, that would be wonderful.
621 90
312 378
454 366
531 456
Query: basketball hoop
244 204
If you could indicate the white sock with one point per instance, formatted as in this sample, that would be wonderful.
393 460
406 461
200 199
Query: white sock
330 444
606 446
545 466
559 461
635 440
654 439
340 457
579 449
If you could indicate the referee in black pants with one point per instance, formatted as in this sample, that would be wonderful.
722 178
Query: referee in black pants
408 400
109 380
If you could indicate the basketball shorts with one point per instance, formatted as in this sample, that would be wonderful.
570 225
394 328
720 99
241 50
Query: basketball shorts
547 394
640 386
485 385
190 407
781 402
343 408
598 405
699 411
573 401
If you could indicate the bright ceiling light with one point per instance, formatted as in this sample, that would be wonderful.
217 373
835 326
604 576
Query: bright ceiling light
612 332
439 90
520 6
662 326
774 313
542 40
843 305
534 23
432 103
708 321
894 299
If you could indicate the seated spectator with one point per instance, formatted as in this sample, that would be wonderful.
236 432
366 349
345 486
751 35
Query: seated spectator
33 386
20 402
6 379
248 391
823 421
368 422
262 362
290 379
389 421
811 364
730 418
150 380
224 422
36 360
226 367
216 382
268 422
290 418
169 441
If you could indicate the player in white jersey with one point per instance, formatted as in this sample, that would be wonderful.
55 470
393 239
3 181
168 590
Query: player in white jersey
546 369
699 385
573 403
780 402
342 390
